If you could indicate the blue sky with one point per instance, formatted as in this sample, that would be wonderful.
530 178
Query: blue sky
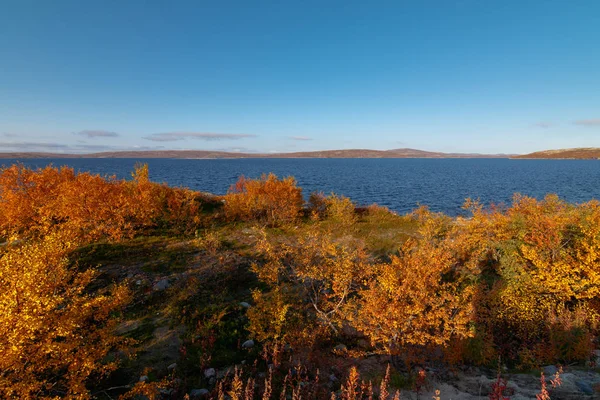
456 76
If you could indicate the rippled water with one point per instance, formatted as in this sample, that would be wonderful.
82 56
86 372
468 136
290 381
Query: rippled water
400 184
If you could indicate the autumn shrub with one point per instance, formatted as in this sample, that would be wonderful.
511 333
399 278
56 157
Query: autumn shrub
340 210
268 199
418 300
275 316
534 259
337 209
35 202
518 281
317 206
311 287
56 325
54 334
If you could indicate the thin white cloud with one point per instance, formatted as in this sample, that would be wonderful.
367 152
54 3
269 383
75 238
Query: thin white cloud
543 125
175 136
237 150
300 138
588 122
91 133
32 146
37 147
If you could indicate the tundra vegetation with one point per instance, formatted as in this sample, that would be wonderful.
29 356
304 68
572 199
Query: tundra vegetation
114 288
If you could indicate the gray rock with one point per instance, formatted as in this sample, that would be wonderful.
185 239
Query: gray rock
172 367
333 378
585 387
127 326
161 285
144 378
550 370
209 372
222 373
248 344
341 347
197 393
244 304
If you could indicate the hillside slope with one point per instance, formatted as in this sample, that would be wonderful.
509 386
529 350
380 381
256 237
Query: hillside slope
350 153
576 153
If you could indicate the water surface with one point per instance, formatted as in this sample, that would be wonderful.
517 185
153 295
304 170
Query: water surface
400 184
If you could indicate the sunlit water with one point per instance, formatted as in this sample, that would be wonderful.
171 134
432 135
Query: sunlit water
400 184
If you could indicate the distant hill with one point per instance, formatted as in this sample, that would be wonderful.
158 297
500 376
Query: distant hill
577 153
352 153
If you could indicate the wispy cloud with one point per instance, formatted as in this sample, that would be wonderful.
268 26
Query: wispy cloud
237 150
96 133
588 122
543 125
175 136
32 146
300 138
50 147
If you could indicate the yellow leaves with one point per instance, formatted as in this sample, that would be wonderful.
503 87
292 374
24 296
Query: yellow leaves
269 317
47 323
410 304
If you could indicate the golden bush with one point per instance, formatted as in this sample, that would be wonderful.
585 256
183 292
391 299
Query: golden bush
267 199
54 334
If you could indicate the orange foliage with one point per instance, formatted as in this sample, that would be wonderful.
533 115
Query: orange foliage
55 331
35 202
317 271
53 334
420 298
268 199
338 209
521 281
539 277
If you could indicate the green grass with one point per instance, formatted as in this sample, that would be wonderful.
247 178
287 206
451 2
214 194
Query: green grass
144 332
152 253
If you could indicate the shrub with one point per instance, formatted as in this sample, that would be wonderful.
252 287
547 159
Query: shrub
419 299
36 202
340 210
311 287
537 267
269 199
54 335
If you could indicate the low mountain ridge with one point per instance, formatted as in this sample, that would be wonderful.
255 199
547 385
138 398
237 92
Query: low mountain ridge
582 153
350 153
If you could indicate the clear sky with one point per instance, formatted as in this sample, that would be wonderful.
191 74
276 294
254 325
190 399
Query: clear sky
458 76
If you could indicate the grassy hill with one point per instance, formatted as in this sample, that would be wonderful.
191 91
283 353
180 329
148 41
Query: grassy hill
582 153
350 153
